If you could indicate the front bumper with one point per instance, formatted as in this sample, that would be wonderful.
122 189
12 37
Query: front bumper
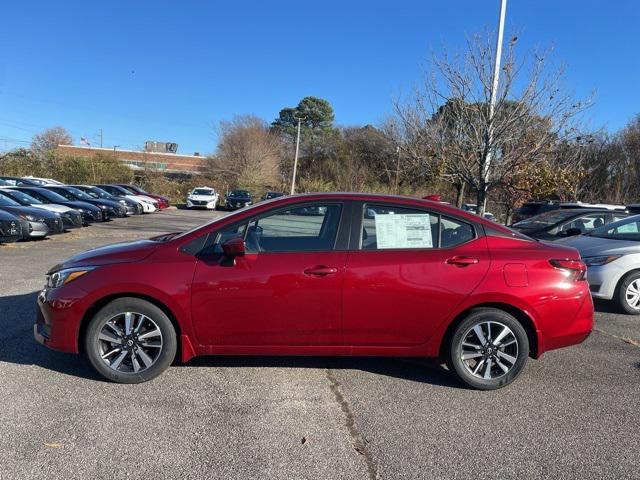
36 230
55 225
604 279
58 318
71 220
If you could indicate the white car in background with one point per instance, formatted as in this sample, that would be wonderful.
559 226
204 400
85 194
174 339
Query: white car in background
203 197
149 205
612 255
44 181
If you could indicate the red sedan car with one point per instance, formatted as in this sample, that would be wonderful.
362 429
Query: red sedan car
322 274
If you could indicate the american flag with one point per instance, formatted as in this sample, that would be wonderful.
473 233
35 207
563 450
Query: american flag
85 141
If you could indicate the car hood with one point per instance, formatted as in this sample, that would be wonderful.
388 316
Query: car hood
590 246
53 207
239 199
36 212
124 252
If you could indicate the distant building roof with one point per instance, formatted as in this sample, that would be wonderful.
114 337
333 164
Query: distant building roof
138 160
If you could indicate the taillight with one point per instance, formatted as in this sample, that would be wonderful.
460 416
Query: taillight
575 269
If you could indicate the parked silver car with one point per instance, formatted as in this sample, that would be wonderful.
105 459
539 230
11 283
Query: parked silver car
612 255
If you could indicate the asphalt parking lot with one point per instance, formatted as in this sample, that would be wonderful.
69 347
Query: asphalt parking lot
572 414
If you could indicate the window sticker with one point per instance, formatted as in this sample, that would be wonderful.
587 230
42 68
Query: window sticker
403 231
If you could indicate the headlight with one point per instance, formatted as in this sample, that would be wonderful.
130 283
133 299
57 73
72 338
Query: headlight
103 207
33 218
62 277
122 202
599 261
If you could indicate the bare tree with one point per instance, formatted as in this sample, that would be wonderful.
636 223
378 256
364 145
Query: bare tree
248 153
447 120
46 142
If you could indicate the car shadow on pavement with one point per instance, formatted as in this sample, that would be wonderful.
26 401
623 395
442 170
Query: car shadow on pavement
411 369
604 306
17 345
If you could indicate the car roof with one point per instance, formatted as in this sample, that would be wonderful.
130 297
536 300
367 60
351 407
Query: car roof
388 198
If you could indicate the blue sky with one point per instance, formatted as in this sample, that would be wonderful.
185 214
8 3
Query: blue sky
162 70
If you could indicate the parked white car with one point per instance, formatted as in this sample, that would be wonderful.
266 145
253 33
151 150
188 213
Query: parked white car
203 197
612 255
44 181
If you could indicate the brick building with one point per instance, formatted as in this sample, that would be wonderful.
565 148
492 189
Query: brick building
170 163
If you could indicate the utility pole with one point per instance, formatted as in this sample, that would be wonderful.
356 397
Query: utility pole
100 138
397 170
295 159
486 163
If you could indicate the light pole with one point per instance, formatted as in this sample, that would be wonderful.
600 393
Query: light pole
397 169
295 159
486 164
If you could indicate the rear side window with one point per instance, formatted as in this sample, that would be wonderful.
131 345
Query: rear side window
454 232
389 227
385 227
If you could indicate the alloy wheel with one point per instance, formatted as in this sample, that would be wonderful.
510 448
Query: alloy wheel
130 342
632 294
489 350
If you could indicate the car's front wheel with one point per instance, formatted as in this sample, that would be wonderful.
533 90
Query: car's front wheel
488 349
130 340
627 295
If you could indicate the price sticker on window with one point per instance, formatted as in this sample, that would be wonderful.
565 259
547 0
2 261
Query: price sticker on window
403 231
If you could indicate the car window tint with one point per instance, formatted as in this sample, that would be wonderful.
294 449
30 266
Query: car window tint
388 227
454 232
586 223
307 228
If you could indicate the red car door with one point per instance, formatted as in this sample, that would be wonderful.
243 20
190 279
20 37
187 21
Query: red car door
412 269
285 291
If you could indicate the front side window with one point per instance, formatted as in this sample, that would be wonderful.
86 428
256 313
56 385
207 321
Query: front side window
307 228
385 227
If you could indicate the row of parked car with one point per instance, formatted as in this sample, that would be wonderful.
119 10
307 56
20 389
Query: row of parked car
209 198
33 208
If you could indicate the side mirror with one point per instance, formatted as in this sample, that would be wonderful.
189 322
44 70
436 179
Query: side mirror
234 247
572 232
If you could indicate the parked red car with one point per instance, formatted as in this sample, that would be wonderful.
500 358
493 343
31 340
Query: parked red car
363 275
163 202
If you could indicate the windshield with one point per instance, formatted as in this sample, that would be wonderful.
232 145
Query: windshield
7 202
51 196
203 191
238 193
98 192
79 193
22 197
627 229
545 219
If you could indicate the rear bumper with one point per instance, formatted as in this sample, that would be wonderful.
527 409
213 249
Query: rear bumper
559 332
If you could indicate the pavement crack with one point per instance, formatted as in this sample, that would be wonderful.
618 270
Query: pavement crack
359 443
628 340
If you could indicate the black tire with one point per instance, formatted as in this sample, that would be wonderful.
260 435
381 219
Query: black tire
114 309
489 354
620 297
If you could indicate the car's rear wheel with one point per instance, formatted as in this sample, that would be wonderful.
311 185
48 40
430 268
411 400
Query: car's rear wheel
627 295
488 349
130 340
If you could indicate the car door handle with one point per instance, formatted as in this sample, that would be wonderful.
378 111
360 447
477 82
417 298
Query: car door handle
321 271
462 261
